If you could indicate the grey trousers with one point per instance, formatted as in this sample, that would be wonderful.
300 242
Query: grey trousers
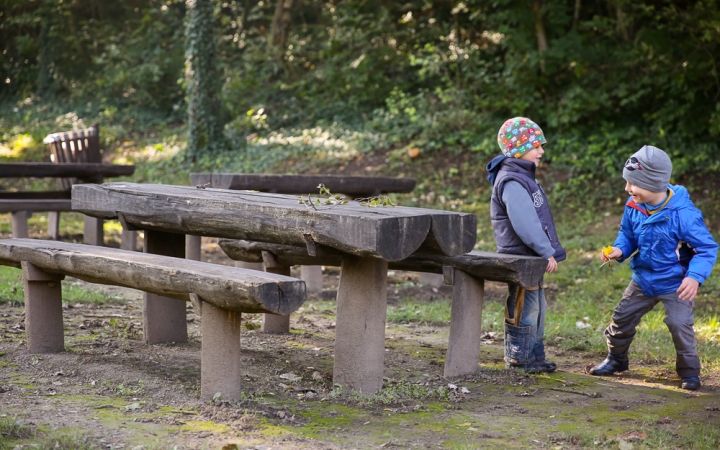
679 319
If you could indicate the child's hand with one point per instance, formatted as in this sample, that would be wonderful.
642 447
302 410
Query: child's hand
688 289
552 265
609 253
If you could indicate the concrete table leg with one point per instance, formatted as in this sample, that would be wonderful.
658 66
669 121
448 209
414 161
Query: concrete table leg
431 279
220 358
360 319
54 225
193 247
128 240
164 318
43 310
20 223
93 231
465 323
313 278
274 323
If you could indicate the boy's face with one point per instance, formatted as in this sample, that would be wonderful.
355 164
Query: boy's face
641 195
534 155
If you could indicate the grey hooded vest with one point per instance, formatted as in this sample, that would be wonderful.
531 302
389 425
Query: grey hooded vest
506 238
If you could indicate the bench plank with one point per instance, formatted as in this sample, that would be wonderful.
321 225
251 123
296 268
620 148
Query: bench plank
352 186
34 195
90 171
229 288
390 233
35 205
526 271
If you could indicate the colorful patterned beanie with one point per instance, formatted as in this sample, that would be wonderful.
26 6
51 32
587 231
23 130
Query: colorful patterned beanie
518 136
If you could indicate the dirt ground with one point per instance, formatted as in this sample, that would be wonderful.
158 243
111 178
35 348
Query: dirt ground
110 390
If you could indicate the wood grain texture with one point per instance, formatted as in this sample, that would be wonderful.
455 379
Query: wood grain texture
90 171
229 288
352 186
390 233
526 271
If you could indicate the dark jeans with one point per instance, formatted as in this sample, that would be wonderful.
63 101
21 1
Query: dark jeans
524 343
679 319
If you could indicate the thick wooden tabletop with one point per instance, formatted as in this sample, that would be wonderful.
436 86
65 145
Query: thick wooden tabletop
390 233
64 170
304 184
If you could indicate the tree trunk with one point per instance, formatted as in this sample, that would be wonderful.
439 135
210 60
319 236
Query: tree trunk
540 27
281 22
621 24
203 80
576 14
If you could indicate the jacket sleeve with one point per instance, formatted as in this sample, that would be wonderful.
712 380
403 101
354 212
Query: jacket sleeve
626 240
695 233
525 220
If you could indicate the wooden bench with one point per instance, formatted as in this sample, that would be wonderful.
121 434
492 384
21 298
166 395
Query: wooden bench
466 273
350 186
221 293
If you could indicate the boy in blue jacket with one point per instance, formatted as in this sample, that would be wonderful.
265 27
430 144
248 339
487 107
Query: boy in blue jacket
523 225
675 255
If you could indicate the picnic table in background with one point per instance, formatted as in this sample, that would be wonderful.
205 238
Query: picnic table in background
367 237
23 203
300 184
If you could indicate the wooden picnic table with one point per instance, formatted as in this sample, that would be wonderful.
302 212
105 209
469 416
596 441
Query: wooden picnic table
23 204
367 237
350 186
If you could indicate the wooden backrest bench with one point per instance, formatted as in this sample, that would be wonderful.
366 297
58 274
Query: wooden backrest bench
76 158
222 293
466 273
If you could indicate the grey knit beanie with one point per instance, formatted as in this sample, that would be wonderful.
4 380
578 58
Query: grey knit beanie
649 168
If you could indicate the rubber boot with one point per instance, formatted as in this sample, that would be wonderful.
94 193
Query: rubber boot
613 363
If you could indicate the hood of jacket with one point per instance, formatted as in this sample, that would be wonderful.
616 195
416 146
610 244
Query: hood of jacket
493 167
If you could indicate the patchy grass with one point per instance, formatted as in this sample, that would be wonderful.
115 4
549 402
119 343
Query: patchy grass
13 429
11 290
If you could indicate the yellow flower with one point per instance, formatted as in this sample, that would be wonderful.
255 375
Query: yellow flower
607 250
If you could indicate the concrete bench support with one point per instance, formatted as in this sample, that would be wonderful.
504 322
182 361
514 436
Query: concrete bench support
193 247
463 351
220 359
43 310
313 278
361 313
431 279
93 231
128 240
20 223
273 323
54 225
164 318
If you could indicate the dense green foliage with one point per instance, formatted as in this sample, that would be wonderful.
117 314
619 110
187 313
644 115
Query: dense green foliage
602 77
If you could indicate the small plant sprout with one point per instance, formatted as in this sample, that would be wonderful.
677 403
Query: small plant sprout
374 202
330 200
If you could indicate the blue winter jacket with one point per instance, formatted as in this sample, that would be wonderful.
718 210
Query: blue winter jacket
671 244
